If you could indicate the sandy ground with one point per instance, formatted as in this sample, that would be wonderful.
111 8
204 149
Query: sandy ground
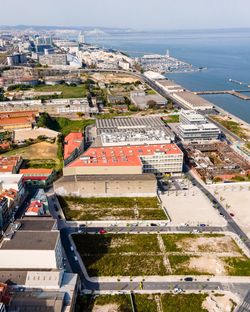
218 303
106 308
113 78
42 150
236 198
25 134
191 207
208 264
209 244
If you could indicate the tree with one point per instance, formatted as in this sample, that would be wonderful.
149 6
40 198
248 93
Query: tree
152 104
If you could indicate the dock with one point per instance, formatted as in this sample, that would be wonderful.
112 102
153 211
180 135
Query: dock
236 93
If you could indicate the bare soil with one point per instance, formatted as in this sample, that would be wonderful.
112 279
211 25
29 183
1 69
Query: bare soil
106 308
215 303
209 264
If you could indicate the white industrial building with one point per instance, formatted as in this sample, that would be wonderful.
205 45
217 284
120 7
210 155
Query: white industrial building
189 117
195 128
192 101
31 243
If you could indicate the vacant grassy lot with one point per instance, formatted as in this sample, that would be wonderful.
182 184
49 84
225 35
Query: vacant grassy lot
114 303
62 124
160 254
121 208
67 91
170 302
38 155
232 126
154 303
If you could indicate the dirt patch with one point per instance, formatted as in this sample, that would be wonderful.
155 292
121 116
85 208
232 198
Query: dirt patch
208 264
113 78
218 303
106 308
208 244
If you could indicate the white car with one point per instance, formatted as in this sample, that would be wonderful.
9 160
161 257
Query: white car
71 248
178 290
75 257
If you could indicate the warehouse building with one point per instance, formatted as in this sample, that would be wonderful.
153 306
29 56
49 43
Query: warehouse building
132 131
109 185
136 159
192 101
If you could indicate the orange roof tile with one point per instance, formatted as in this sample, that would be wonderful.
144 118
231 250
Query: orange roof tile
121 155
36 171
72 141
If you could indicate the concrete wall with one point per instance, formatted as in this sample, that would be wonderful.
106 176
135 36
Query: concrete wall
146 188
27 259
88 170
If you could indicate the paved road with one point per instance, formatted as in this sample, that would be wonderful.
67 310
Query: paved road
245 306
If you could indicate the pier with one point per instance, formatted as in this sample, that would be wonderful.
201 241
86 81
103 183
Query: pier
236 93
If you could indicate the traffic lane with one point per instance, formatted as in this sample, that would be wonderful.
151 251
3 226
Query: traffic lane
149 229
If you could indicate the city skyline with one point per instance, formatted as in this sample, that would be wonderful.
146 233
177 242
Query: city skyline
136 15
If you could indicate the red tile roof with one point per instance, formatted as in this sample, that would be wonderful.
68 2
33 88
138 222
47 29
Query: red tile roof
35 171
35 207
9 163
121 155
15 121
72 141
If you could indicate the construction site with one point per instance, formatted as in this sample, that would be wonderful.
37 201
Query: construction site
217 162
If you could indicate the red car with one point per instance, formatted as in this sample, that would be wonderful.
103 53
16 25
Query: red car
102 231
231 214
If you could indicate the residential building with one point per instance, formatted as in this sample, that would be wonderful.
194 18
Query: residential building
53 59
4 213
12 181
136 159
16 59
38 177
32 243
109 185
73 146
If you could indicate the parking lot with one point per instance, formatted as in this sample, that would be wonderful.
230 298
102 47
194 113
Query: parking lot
188 205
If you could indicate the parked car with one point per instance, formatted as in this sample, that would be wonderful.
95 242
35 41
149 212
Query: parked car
102 231
188 279
231 214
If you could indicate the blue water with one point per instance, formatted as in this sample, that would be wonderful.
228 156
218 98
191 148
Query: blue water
225 53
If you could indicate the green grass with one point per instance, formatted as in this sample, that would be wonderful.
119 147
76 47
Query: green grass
238 266
145 303
110 243
232 126
125 265
183 303
114 202
79 91
62 124
172 119
86 303
110 255
122 208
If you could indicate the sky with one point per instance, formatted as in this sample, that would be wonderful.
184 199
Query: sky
135 14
